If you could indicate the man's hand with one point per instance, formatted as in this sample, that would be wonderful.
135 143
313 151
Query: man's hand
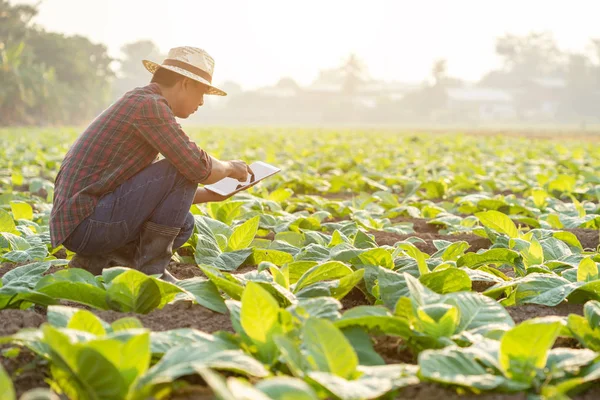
239 170
206 196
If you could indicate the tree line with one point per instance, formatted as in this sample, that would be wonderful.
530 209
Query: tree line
50 78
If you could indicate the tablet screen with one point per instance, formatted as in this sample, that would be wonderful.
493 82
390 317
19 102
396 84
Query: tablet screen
227 186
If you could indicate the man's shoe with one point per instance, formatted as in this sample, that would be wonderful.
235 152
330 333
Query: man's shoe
93 264
155 249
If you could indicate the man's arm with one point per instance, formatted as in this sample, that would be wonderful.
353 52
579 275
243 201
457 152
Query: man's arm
156 123
206 196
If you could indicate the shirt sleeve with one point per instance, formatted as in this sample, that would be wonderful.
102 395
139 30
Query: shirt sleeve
156 123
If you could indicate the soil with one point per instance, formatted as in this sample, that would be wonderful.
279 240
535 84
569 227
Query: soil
528 311
388 238
182 314
27 371
429 391
353 299
420 225
391 350
588 237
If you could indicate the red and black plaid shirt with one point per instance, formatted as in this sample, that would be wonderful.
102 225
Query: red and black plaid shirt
118 144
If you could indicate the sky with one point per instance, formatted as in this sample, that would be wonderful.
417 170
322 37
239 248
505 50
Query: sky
256 42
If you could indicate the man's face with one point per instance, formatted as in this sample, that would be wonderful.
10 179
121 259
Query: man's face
190 97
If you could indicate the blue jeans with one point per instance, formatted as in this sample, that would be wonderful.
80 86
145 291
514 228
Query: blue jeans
159 193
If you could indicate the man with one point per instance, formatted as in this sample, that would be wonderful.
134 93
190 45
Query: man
113 205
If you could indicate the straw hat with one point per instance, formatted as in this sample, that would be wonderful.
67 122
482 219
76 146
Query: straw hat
191 62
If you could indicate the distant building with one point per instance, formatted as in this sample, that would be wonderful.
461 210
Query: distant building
481 103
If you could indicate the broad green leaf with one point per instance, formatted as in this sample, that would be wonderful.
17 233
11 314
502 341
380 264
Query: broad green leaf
133 291
205 293
82 369
455 366
294 238
346 284
378 257
363 346
524 349
374 318
477 310
7 224
76 285
298 268
323 272
448 280
569 238
224 281
34 253
6 387
412 251
438 320
286 388
276 257
584 332
534 255
328 348
498 222
84 320
454 251
21 210
493 256
260 319
587 270
243 235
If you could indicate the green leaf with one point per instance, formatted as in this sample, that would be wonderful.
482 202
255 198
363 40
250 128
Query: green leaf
276 257
448 280
6 387
493 256
498 222
587 270
7 224
286 388
455 250
133 291
243 235
584 332
378 257
84 320
260 319
82 368
34 253
205 293
524 349
294 238
224 281
534 255
76 285
346 284
324 272
455 366
328 348
477 310
376 319
21 210
298 268
412 251
438 320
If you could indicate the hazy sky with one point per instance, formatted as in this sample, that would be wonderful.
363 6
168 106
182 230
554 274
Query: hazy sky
255 42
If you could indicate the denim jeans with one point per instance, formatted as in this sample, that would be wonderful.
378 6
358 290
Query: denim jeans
159 193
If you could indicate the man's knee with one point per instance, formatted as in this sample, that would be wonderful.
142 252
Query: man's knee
165 167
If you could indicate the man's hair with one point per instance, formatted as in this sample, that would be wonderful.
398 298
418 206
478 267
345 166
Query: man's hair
166 77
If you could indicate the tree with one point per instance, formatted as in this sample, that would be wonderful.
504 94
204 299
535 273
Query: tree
131 72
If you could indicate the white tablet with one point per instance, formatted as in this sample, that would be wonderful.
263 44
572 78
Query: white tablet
229 186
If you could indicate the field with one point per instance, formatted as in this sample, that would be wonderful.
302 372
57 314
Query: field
377 264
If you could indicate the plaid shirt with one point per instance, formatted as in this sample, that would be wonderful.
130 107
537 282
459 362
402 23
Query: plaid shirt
118 144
